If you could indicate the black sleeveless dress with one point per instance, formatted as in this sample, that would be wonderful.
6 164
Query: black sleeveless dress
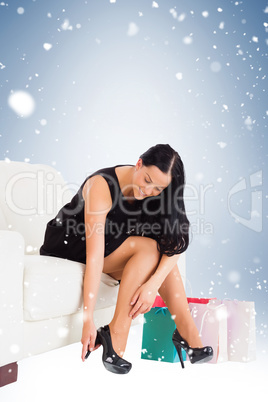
65 235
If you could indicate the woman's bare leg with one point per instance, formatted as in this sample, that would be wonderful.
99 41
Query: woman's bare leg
142 260
173 293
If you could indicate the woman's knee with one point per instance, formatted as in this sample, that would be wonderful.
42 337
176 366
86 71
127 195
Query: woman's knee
144 247
148 248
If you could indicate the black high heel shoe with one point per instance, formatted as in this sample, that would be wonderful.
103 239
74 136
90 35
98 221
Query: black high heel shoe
196 355
111 361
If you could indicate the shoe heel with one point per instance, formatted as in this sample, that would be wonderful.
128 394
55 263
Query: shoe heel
196 355
178 348
97 342
87 354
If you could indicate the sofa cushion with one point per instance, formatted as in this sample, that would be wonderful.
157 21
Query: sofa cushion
53 287
30 196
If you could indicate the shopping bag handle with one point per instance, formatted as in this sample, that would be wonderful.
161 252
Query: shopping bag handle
162 310
228 299
209 308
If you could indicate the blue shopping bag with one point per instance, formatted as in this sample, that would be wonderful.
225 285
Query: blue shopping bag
157 344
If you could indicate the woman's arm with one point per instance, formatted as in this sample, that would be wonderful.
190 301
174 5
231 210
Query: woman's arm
97 204
164 267
145 295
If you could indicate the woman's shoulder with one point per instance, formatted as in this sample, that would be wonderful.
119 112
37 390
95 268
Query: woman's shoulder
106 179
96 184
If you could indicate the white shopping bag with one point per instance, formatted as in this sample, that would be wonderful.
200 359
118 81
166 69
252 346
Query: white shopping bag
211 322
241 330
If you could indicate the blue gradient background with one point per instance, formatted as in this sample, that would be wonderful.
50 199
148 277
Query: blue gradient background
107 97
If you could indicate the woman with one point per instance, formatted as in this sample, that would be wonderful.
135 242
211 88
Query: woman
129 222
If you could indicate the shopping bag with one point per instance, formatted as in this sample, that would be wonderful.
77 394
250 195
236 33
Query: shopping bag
241 330
201 300
158 328
211 322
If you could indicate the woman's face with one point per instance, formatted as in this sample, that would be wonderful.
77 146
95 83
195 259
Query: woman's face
149 181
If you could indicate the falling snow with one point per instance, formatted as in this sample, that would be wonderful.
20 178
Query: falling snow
133 29
47 46
181 17
187 40
222 144
20 10
179 76
14 349
22 103
205 14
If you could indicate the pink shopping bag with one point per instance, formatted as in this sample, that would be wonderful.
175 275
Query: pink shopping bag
241 329
211 322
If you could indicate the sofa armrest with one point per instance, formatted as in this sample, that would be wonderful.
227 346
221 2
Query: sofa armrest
11 296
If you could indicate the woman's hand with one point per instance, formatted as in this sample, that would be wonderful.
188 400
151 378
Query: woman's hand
143 299
89 335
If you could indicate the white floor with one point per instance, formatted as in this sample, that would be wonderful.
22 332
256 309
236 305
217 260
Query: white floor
60 375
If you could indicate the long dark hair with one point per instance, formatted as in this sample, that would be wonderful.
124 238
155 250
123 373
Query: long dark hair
165 213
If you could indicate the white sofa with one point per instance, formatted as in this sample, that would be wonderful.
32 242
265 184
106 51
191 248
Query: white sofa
40 297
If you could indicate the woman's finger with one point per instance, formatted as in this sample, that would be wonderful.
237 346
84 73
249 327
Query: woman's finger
85 349
147 310
135 309
92 343
144 309
134 299
140 310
